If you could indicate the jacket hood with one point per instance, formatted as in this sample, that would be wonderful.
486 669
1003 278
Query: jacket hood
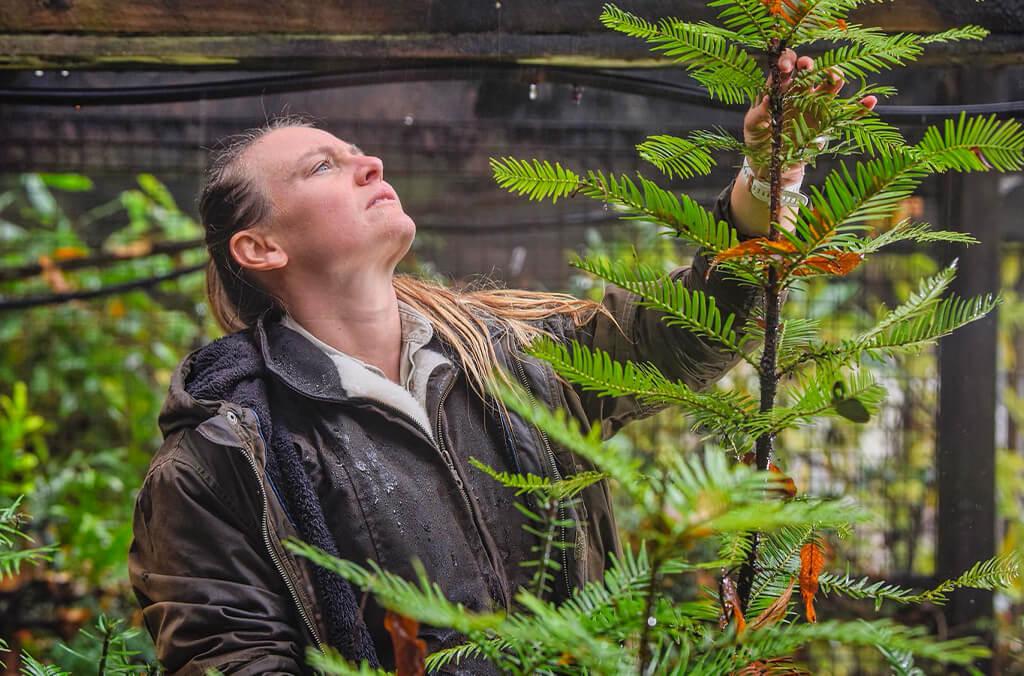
235 367
181 409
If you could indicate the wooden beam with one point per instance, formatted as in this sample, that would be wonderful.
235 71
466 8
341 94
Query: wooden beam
327 52
360 17
966 424
316 35
343 17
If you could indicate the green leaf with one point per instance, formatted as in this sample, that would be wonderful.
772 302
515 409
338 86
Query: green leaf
157 191
67 182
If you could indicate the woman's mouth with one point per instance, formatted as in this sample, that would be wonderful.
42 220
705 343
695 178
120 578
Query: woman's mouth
381 200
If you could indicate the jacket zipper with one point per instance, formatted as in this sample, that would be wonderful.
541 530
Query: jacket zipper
554 471
250 458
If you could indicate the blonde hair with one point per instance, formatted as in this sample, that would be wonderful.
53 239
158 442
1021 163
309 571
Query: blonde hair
232 200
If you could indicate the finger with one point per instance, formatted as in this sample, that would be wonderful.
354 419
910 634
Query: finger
838 80
787 62
805 63
831 83
868 102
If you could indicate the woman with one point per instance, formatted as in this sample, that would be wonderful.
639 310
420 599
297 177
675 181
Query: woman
342 408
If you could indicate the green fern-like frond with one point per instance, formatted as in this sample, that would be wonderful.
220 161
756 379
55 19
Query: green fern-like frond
533 484
781 640
30 666
928 294
974 144
958 33
907 230
727 71
331 662
595 370
706 493
538 179
424 602
12 559
901 661
691 222
566 431
999 572
860 60
908 335
847 199
864 588
814 398
748 18
690 309
676 157
816 15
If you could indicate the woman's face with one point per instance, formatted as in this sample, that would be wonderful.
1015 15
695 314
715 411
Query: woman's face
326 213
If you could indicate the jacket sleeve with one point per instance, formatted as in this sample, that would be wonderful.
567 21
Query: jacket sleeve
210 596
677 352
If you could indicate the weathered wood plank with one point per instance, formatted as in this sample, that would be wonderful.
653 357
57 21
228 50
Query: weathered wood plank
326 52
353 17
308 34
966 421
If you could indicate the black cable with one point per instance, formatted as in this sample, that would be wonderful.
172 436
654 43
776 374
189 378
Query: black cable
161 248
56 298
441 70
365 75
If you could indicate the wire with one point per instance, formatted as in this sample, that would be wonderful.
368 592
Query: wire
32 269
437 71
57 298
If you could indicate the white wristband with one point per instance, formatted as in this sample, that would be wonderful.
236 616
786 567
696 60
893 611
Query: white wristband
790 195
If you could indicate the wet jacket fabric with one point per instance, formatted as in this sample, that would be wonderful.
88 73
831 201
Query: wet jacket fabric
218 589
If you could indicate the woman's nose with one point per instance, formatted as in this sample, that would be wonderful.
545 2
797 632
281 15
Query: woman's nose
370 169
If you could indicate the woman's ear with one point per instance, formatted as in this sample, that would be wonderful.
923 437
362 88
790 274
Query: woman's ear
255 250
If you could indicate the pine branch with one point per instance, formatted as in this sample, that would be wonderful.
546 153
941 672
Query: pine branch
524 484
541 180
690 309
749 18
728 72
782 640
974 144
424 601
908 335
704 494
860 60
817 398
595 370
907 230
676 157
999 572
330 661
566 431
814 15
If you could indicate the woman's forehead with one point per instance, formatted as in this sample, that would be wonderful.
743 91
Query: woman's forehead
280 151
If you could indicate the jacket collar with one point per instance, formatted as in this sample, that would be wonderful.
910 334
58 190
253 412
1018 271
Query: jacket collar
305 368
295 360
